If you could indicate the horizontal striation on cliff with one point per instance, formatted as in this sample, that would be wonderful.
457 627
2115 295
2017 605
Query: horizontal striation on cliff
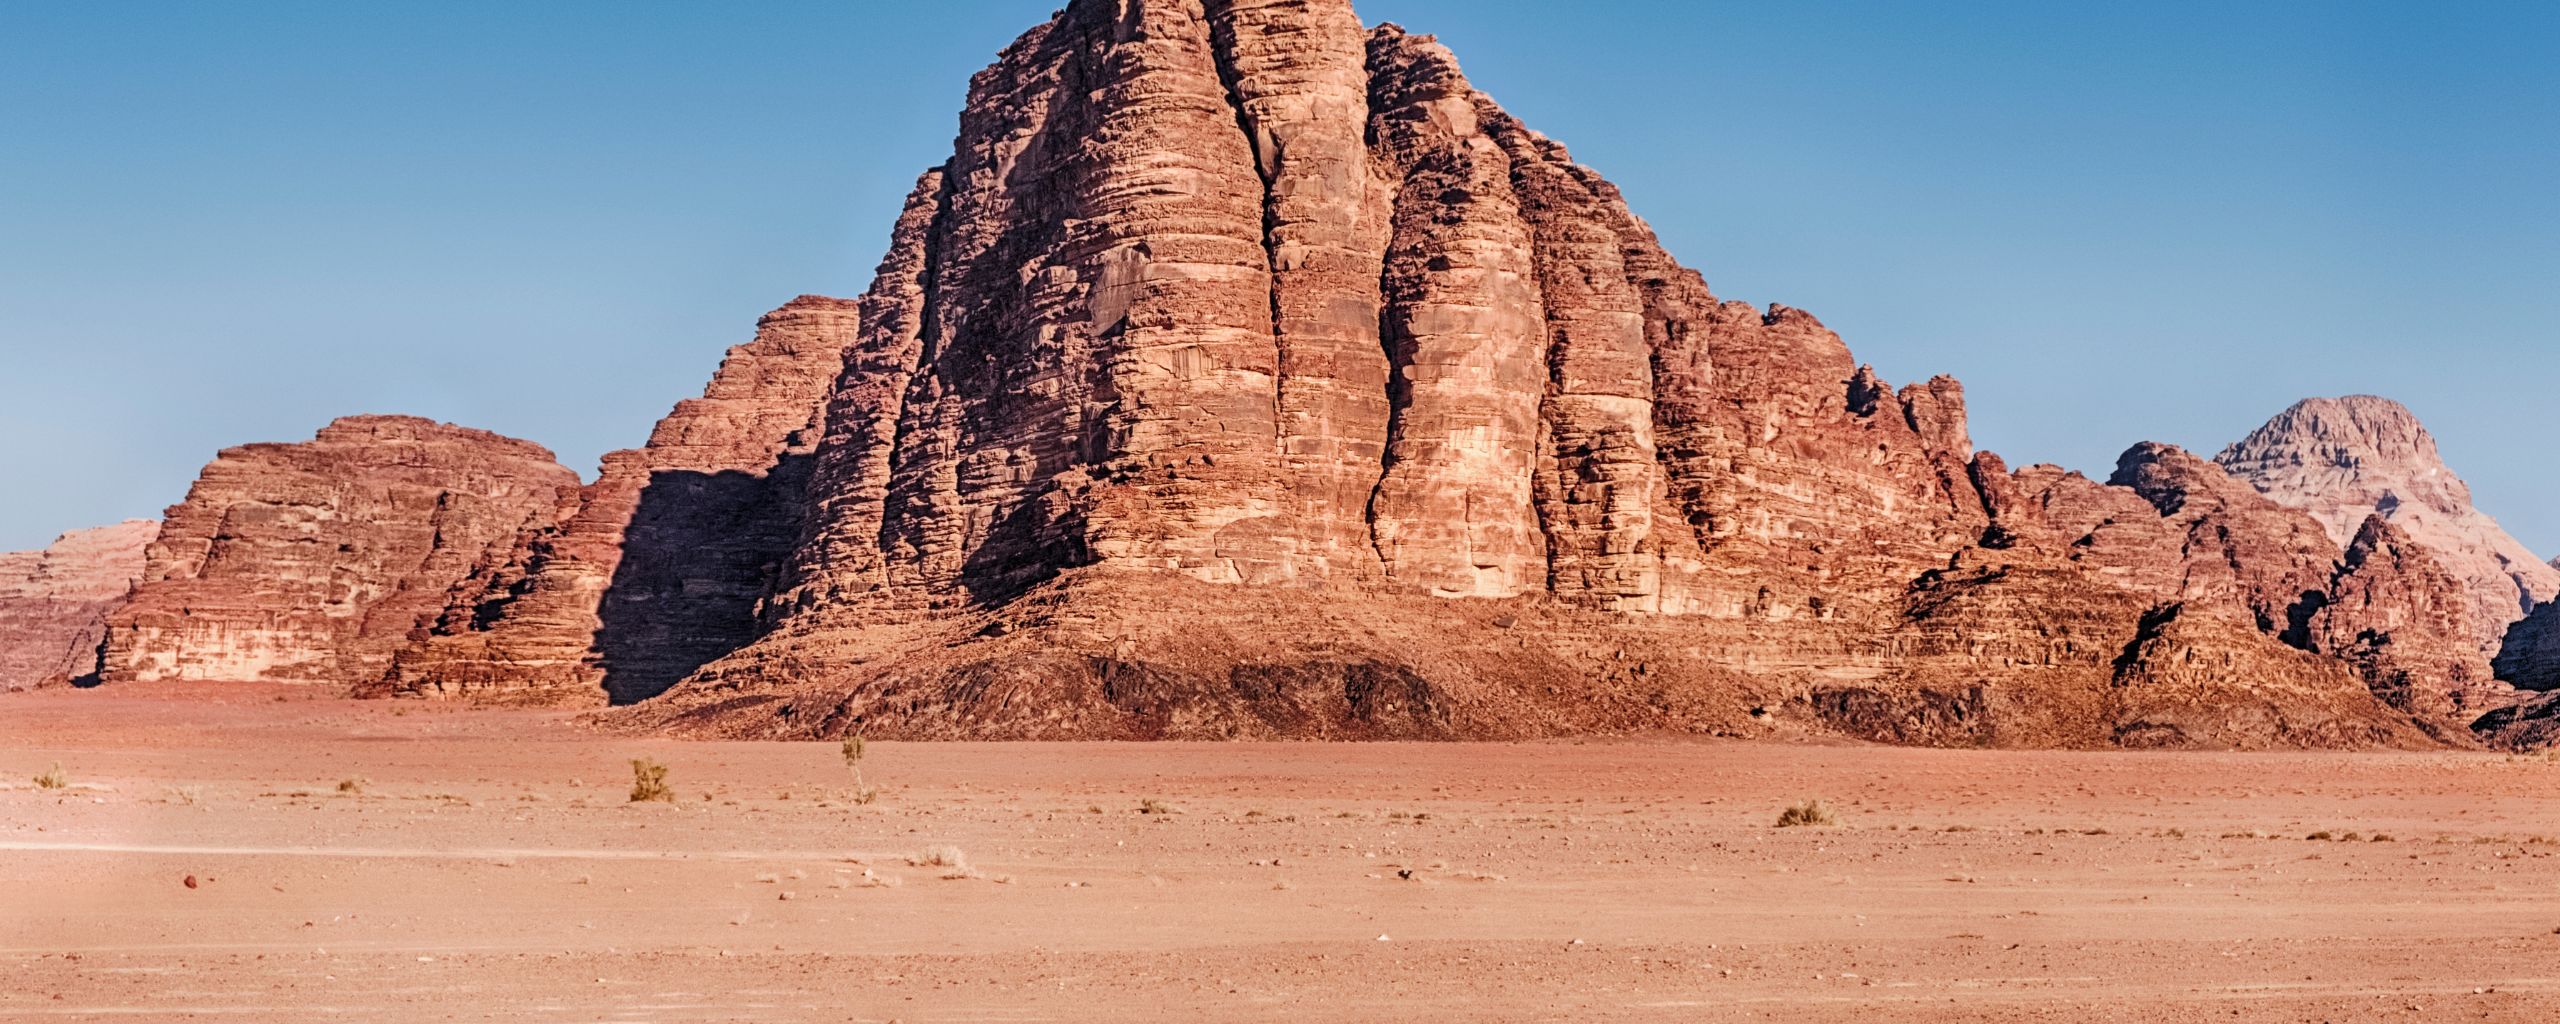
313 562
54 602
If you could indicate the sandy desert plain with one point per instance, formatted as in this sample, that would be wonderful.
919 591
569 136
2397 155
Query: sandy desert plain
200 859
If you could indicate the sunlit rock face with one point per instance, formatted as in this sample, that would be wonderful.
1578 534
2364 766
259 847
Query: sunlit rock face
54 602
313 562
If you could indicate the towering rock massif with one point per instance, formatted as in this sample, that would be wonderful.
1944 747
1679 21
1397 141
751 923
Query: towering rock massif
1245 373
54 602
2343 459
661 564
313 562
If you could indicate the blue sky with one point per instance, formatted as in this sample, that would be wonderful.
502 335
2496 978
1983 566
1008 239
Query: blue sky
223 223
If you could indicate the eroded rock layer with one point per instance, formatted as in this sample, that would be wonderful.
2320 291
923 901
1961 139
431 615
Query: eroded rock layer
661 563
1247 374
313 562
54 602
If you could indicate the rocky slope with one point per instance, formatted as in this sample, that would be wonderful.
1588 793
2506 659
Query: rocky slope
312 562
1249 373
662 564
54 602
2343 459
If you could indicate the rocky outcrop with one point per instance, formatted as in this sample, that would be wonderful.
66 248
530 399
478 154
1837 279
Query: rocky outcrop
2530 658
54 602
660 564
2532 725
313 562
2404 621
2343 459
1247 374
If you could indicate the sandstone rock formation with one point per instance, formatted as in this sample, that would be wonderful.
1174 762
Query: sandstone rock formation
54 602
313 562
661 565
2533 725
2343 459
2530 658
1247 374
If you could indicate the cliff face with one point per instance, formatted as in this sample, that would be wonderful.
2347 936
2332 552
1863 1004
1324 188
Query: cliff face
2343 459
1248 373
660 564
54 602
313 562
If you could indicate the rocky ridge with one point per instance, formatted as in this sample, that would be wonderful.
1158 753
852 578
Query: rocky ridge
54 602
661 563
313 562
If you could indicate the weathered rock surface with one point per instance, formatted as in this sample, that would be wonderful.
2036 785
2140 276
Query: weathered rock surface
2530 659
54 602
2533 725
2404 621
2343 459
312 562
663 560
1247 374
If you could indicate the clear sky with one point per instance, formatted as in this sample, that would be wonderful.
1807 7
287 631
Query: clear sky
223 223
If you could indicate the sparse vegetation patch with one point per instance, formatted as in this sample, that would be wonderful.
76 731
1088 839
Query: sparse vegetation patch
1809 814
649 782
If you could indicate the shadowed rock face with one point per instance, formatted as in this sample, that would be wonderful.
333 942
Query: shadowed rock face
2343 459
1248 373
660 564
313 562
54 602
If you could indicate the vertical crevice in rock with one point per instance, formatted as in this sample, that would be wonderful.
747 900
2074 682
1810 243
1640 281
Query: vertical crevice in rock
1102 378
1297 70
1453 511
1601 479
839 553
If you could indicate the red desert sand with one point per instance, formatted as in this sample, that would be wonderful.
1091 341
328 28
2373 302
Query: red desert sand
391 861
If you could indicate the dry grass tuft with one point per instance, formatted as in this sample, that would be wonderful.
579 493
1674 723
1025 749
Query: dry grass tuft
353 785
1153 806
649 782
53 778
954 864
1809 814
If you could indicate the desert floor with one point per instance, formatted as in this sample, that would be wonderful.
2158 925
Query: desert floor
490 866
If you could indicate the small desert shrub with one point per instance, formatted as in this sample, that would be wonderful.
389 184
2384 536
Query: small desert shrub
1809 814
1153 806
852 751
2321 836
53 778
649 782
353 785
